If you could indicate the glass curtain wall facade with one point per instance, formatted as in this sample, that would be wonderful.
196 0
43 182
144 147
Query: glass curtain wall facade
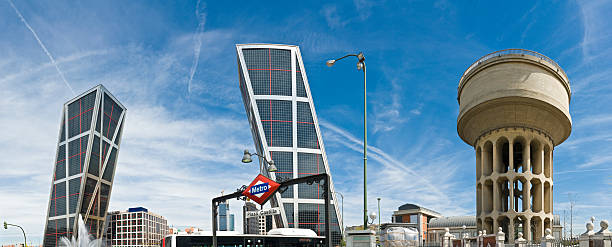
226 220
87 149
285 129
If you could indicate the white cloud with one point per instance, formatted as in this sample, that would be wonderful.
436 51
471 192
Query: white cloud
42 46
597 120
596 161
201 17
174 156
333 19
364 8
596 33
424 175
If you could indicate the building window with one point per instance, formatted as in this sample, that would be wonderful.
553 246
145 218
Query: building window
413 218
269 71
276 117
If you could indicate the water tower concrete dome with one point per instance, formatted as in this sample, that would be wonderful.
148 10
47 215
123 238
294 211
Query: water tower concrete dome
514 109
514 88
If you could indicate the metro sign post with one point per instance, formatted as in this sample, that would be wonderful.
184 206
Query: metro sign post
261 189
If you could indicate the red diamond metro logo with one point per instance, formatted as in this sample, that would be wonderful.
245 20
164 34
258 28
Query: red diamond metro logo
261 189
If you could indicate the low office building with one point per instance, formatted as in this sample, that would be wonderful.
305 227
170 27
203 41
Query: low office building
457 225
249 225
255 225
136 227
415 214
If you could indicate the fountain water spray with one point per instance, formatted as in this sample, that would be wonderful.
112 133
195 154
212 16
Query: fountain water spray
84 239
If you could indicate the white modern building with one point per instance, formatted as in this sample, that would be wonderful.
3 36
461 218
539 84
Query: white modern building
87 150
285 128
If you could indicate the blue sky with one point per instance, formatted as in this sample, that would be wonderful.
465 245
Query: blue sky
173 65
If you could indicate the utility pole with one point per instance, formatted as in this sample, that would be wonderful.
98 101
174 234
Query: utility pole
564 223
572 203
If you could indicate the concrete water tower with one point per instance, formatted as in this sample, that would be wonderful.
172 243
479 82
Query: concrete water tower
514 109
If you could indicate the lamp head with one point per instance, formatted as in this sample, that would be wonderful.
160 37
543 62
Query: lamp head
360 56
271 166
330 63
359 65
246 158
372 215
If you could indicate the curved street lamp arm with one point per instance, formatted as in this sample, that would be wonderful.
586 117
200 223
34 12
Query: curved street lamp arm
25 241
263 157
258 155
359 56
345 56
269 162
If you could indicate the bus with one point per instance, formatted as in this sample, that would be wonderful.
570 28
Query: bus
279 237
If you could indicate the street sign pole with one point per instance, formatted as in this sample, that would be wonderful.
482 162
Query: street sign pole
326 197
214 223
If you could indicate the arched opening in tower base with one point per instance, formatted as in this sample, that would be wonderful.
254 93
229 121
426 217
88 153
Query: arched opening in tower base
536 229
488 225
488 196
487 158
519 226
519 204
504 223
536 195
518 153
503 158
536 153
503 186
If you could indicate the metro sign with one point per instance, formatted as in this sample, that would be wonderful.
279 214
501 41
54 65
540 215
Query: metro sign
261 189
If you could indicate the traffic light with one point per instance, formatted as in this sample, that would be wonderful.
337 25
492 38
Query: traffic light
5 225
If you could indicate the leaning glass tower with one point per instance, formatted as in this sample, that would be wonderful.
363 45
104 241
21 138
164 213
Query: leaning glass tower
285 129
88 144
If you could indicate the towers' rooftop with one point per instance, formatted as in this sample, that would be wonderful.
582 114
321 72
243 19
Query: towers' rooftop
514 88
509 53
453 222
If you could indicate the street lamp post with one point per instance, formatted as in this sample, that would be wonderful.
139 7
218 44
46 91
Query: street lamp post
24 235
463 235
379 215
361 66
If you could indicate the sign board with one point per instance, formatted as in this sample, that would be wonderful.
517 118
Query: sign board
261 189
265 212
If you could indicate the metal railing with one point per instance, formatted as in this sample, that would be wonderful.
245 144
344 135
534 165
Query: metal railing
512 51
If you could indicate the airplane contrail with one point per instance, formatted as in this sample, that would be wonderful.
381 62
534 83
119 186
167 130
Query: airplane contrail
198 42
42 46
